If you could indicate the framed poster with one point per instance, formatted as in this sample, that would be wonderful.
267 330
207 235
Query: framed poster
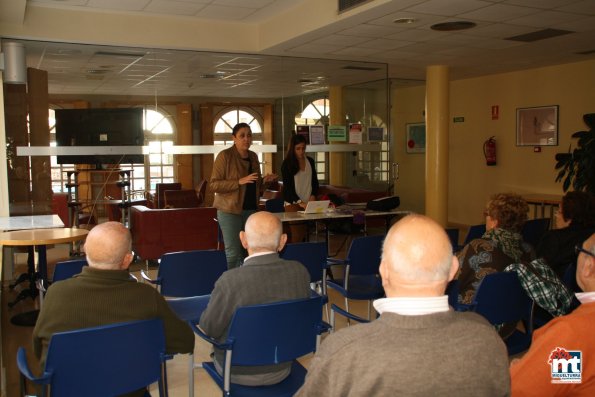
375 134
537 126
316 135
303 130
337 133
416 138
355 133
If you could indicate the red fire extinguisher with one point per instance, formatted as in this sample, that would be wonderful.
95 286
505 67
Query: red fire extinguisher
489 151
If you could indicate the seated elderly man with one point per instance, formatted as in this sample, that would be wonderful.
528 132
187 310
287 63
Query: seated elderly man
263 278
104 293
560 360
418 346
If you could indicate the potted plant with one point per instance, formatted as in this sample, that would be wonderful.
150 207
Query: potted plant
577 167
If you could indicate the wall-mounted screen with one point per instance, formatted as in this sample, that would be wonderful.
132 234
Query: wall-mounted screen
100 127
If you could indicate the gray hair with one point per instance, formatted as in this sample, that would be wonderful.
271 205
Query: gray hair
263 231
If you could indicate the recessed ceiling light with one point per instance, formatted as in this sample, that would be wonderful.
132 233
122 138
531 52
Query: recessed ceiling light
405 21
452 26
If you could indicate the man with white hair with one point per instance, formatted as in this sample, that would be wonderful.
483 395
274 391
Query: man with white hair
560 360
263 278
418 346
104 293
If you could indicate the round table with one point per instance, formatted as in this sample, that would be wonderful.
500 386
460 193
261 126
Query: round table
38 238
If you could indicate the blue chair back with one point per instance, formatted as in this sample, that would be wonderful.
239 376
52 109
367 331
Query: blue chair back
190 273
534 229
311 254
453 236
67 269
276 332
363 256
452 290
475 231
275 205
500 298
102 361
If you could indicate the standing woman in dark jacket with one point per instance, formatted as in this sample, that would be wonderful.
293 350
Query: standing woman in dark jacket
300 182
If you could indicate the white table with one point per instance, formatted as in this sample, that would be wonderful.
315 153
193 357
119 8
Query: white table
328 217
30 222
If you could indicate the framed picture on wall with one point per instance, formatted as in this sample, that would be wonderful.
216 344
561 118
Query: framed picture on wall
537 126
416 138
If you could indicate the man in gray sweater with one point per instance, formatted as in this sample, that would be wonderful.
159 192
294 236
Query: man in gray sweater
418 346
263 278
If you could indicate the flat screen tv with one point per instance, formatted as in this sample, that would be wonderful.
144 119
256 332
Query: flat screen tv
100 127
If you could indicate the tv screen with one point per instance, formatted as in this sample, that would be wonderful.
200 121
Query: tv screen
100 127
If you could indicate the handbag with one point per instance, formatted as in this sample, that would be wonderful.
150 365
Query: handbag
544 286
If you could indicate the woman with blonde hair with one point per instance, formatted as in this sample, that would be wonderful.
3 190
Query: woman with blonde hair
500 246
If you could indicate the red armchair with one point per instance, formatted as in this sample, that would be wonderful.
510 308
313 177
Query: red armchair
158 231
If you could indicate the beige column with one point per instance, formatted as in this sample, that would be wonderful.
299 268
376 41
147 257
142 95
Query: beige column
336 160
437 122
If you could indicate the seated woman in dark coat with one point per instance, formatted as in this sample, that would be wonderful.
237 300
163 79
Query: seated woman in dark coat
500 246
575 222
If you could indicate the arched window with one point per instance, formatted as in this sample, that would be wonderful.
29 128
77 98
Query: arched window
317 112
159 135
229 117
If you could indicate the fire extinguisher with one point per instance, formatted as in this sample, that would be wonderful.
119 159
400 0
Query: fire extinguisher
489 151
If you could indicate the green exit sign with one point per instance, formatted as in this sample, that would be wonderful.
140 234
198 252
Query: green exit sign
458 119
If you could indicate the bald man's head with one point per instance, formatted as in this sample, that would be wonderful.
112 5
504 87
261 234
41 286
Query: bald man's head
108 246
417 254
263 232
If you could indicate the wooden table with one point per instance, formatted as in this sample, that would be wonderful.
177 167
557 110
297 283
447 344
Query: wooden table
37 238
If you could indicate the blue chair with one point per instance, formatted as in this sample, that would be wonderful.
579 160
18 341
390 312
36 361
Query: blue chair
67 269
313 255
453 236
534 229
362 278
275 205
501 298
189 273
475 231
102 361
452 290
268 334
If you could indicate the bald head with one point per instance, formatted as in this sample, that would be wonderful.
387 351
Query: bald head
417 258
108 246
263 232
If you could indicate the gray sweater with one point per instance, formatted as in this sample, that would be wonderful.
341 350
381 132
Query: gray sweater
262 279
442 354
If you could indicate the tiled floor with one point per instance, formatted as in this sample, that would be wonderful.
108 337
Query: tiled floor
15 336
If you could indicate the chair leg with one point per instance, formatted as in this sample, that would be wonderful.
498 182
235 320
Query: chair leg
191 375
347 309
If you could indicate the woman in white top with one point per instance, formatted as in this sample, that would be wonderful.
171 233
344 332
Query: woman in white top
300 183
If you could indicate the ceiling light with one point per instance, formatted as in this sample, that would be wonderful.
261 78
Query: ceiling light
405 21
453 26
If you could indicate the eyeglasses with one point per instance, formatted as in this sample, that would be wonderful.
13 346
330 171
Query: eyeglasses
578 249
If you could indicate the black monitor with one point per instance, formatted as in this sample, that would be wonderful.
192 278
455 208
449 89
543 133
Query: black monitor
100 127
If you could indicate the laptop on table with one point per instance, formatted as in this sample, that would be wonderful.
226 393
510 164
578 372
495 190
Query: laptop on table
316 207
